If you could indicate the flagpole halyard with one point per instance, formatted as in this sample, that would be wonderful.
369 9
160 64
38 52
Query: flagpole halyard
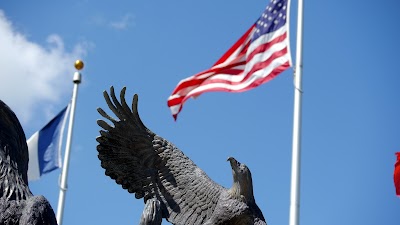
64 174
296 147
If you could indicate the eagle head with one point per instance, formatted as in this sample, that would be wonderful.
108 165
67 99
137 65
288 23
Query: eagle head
242 182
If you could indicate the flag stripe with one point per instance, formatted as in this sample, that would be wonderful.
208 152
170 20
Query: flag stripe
175 104
268 47
236 48
225 75
243 86
257 57
201 77
254 79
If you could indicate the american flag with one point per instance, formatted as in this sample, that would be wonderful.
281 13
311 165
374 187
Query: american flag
258 56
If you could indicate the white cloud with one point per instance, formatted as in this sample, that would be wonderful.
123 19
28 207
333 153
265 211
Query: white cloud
34 76
123 23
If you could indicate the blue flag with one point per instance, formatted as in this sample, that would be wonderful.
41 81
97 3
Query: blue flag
45 147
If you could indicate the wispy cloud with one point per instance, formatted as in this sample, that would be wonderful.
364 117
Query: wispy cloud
123 23
33 75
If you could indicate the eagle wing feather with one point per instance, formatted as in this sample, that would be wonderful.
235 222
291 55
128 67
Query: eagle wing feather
152 167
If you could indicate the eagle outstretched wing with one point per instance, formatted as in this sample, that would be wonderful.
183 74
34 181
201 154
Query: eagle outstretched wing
152 167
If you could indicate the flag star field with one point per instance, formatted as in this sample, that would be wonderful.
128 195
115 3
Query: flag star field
272 18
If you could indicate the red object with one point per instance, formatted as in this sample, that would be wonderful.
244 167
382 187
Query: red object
258 56
396 175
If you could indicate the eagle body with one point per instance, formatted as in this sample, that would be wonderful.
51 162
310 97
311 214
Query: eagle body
172 185
18 206
231 211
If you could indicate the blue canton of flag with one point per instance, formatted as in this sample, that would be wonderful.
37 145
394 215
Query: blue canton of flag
273 18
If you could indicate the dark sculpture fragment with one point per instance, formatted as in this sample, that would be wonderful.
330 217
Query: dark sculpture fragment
17 203
172 186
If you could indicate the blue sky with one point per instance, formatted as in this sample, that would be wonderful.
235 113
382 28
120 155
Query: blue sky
351 106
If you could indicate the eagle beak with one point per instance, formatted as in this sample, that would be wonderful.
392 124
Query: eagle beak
233 161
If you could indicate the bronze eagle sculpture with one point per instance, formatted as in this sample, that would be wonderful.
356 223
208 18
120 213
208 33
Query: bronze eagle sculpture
172 186
17 203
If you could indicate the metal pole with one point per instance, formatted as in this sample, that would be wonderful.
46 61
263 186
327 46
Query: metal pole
296 147
64 173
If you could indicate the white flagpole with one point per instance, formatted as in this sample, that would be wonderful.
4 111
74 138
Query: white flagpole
296 147
64 173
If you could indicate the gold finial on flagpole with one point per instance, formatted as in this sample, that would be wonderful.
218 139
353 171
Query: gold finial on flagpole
77 75
79 64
